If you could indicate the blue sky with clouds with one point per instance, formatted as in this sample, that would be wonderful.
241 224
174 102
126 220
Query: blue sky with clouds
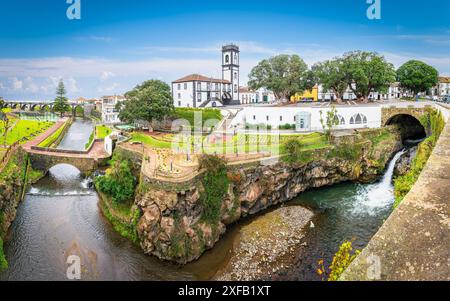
118 44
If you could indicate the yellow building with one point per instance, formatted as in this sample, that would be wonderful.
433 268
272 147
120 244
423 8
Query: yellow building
307 95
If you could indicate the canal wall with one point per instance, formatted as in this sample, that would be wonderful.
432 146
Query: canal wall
413 244
173 226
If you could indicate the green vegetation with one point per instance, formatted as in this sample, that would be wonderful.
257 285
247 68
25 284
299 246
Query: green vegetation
296 153
119 182
61 104
79 111
3 262
123 218
284 74
341 261
189 115
330 122
151 100
54 138
287 126
91 139
417 76
403 184
215 182
102 131
25 130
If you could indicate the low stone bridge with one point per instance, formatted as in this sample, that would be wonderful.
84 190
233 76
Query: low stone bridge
86 161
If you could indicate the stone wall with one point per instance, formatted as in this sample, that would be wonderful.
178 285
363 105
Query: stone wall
172 227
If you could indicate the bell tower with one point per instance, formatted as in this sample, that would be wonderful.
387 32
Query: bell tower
230 69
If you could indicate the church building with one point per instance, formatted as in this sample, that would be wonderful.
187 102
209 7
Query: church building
199 91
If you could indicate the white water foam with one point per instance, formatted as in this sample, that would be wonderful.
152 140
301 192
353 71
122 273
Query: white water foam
379 196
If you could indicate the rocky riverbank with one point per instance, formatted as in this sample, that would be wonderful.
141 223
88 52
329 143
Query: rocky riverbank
263 247
173 226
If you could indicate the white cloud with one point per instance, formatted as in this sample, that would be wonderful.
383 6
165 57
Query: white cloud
16 84
106 75
113 88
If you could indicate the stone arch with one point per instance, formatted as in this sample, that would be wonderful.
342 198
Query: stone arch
410 127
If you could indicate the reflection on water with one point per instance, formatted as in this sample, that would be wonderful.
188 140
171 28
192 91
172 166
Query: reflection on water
60 217
77 136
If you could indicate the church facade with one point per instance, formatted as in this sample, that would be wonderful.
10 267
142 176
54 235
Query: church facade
199 91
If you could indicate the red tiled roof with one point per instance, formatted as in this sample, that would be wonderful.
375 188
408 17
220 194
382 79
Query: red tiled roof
200 78
444 80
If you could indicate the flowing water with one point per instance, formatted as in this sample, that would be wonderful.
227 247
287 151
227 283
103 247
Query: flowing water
60 217
77 136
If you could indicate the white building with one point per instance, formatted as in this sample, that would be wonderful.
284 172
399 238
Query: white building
307 119
110 114
443 88
198 91
394 92
261 95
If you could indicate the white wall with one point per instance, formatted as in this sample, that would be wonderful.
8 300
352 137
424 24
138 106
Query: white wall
282 115
182 94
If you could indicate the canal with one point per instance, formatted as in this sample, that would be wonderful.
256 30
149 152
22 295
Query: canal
60 217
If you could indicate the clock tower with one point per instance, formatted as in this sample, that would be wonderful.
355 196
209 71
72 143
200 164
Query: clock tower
230 70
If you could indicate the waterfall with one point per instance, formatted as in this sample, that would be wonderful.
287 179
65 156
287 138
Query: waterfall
378 196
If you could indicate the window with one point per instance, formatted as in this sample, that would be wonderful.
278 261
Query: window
267 117
179 86
179 103
185 86
339 120
199 97
199 86
217 86
235 58
281 118
235 89
254 117
179 95
227 59
235 75
358 119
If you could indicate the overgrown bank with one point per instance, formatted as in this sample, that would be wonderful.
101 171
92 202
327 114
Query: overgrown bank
13 182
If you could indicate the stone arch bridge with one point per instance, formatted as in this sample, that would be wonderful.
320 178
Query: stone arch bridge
409 118
43 159
41 106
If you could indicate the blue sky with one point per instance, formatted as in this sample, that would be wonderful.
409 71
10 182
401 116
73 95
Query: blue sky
118 44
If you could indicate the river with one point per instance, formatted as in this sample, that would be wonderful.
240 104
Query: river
60 217
77 136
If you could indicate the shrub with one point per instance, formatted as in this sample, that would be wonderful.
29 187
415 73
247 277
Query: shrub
341 261
287 126
119 182
216 182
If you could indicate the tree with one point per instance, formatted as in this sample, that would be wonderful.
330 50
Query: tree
332 77
417 76
6 125
2 103
61 104
148 101
329 123
283 74
366 72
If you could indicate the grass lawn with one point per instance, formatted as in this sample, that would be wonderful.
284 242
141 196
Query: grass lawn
102 131
24 130
189 114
